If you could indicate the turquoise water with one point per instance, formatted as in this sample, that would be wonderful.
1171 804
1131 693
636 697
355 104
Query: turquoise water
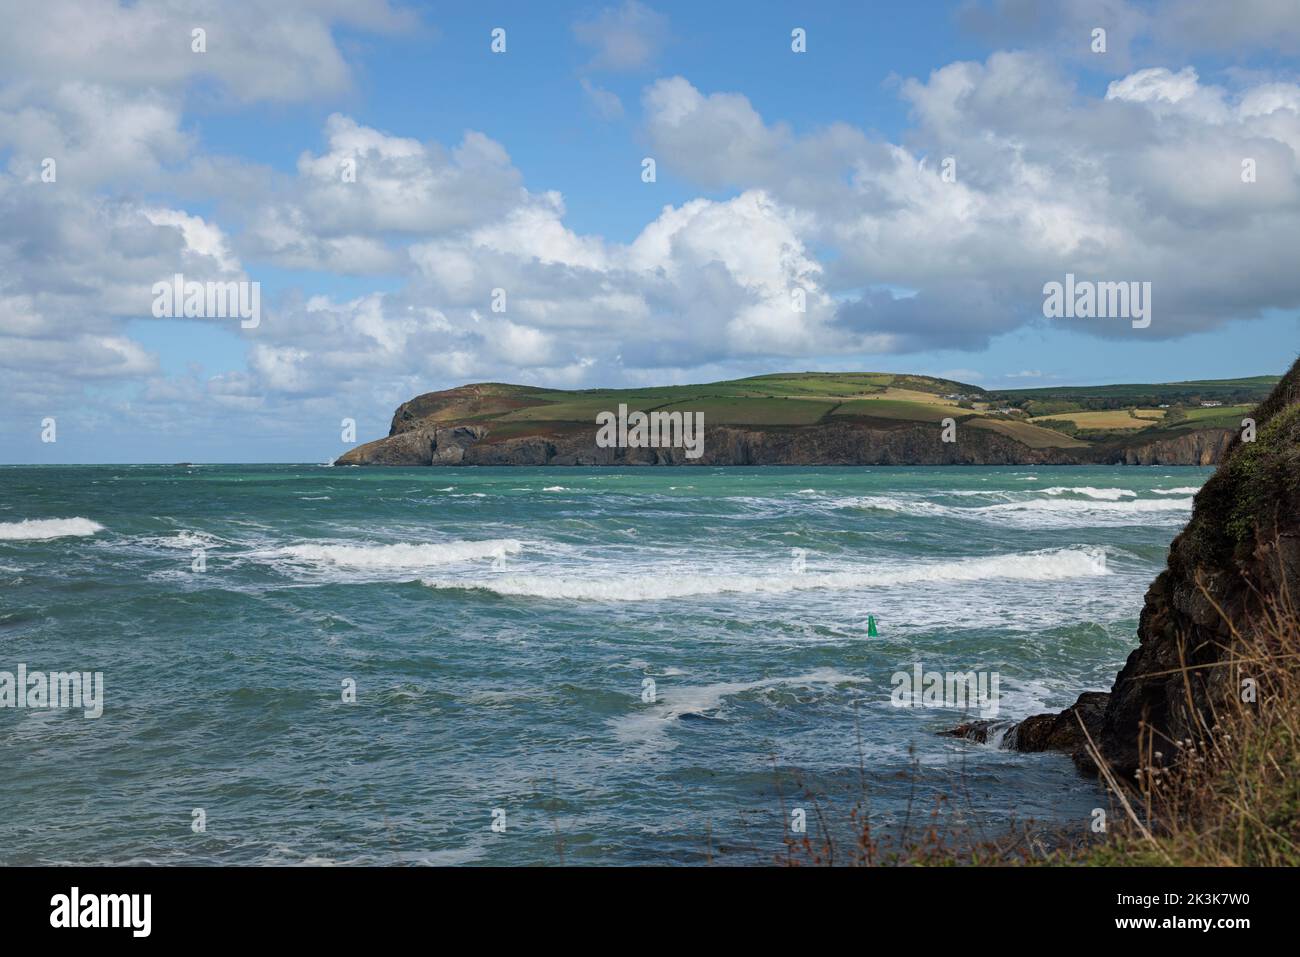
500 625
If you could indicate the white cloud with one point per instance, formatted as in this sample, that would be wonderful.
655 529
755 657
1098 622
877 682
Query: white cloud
281 50
1143 185
201 237
1158 83
94 134
719 139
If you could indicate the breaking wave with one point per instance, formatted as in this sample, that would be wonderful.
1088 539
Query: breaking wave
1039 512
652 585
35 529
1105 494
399 556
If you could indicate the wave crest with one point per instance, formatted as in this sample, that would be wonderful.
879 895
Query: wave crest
1038 512
1104 494
398 555
1050 565
37 529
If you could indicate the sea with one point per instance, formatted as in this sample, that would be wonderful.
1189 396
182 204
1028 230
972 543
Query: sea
308 665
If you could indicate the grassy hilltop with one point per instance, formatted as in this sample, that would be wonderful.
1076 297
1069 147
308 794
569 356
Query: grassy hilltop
1076 417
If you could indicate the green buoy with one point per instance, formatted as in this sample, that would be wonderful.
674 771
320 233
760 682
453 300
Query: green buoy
871 626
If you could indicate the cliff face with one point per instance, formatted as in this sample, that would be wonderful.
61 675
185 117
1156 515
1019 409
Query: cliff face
417 440
1203 447
836 444
1240 549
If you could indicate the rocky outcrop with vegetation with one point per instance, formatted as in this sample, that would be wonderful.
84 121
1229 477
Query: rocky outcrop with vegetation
1212 618
786 419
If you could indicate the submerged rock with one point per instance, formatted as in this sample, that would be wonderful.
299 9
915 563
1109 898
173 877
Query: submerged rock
1059 731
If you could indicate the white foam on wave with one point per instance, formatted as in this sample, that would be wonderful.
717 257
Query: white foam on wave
183 539
650 724
905 506
1181 490
1039 512
555 488
655 585
1105 494
398 556
39 529
1103 508
1087 513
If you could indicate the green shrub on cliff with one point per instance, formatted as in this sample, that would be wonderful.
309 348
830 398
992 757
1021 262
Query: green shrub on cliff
1265 475
1254 482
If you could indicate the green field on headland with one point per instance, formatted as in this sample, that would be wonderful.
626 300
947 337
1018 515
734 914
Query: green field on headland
1060 417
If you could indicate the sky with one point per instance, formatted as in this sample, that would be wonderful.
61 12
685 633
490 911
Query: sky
428 195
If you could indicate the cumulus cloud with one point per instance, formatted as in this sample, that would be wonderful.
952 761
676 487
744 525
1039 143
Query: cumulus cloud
368 185
281 50
1144 184
94 134
720 140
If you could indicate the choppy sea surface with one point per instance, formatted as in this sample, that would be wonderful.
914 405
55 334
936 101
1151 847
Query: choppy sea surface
636 666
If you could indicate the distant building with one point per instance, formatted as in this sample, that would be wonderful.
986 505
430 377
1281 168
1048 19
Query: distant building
1210 405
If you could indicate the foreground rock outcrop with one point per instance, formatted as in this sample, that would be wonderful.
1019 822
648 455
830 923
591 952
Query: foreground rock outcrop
1239 551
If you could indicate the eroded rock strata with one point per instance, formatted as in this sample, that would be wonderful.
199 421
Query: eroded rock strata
414 441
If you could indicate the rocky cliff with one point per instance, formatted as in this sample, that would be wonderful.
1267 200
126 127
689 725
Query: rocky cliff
849 443
1201 447
1239 551
417 440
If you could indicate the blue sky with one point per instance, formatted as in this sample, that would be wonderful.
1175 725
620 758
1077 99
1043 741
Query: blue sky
522 171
